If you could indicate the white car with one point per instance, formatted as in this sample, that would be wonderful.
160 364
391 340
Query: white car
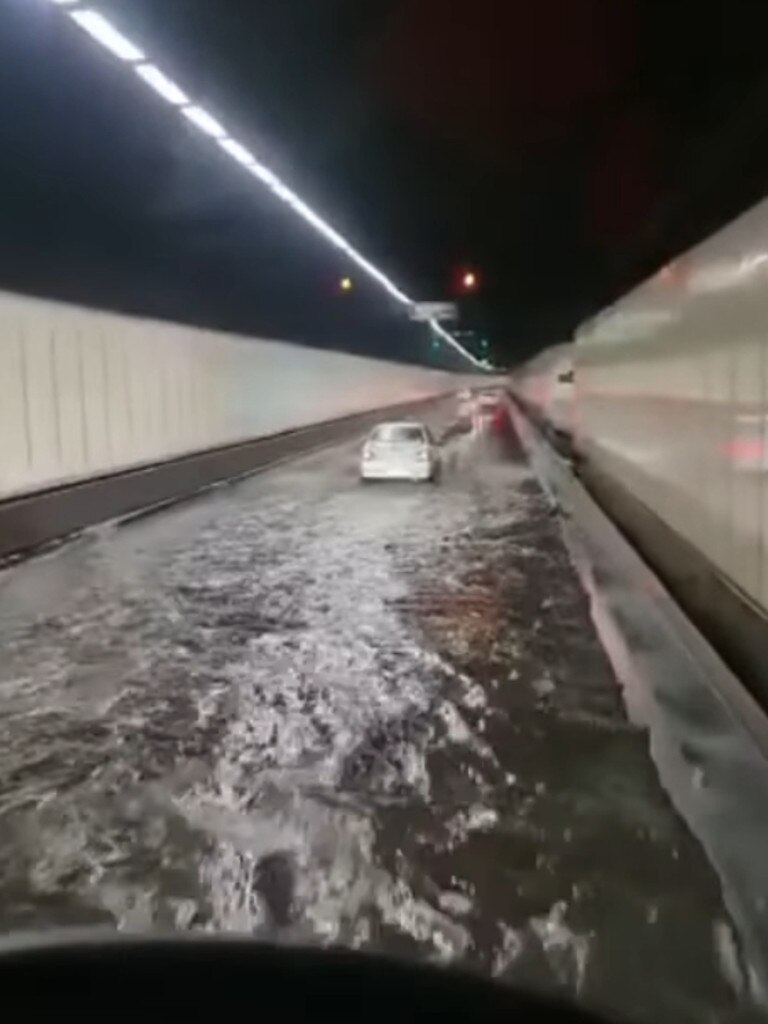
400 451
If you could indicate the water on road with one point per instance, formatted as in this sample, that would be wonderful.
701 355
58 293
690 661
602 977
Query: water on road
326 713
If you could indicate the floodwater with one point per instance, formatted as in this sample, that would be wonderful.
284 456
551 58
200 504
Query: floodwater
319 712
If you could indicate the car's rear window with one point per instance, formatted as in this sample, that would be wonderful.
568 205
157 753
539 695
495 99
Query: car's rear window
398 432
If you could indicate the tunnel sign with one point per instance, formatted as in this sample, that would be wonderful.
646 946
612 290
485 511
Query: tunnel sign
424 311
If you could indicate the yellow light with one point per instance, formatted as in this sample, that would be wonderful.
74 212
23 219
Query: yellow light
346 284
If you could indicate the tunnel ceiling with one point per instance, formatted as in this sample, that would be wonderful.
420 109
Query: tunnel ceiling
561 149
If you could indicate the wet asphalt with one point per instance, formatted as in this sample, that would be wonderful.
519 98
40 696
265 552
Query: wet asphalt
377 716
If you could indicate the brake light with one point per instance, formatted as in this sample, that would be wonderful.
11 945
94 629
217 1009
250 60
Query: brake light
745 448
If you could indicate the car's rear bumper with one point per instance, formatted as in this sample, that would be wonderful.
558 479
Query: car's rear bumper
381 472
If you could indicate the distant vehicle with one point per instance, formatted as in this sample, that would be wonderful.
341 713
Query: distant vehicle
465 405
490 414
400 451
747 447
546 386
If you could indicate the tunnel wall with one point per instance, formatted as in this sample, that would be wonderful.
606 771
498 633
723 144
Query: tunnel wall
673 398
670 430
85 393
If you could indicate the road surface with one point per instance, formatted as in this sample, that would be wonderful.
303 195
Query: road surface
327 713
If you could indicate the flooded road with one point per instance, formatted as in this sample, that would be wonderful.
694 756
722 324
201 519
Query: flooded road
327 713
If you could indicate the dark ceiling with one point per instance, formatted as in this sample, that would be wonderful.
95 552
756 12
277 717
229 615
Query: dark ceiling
563 147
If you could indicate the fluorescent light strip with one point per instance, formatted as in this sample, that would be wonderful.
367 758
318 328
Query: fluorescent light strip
105 33
100 29
237 152
162 85
203 120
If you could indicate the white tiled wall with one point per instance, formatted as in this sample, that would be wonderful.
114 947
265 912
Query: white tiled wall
673 397
84 393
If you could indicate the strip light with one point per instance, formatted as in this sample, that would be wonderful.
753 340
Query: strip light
238 152
105 33
162 85
204 121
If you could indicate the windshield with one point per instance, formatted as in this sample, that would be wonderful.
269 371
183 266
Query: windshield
384 485
398 433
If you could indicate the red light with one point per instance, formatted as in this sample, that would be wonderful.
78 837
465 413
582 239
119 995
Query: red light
746 450
466 279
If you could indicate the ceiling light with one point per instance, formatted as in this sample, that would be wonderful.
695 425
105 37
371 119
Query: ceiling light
203 120
162 85
100 29
105 33
237 152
